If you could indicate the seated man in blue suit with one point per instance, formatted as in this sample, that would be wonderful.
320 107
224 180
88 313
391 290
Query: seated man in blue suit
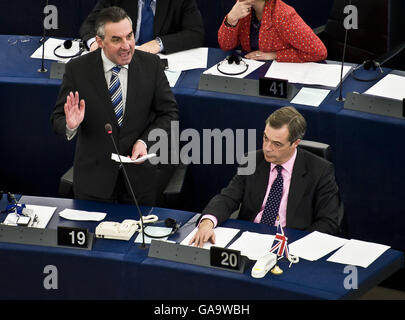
290 186
159 25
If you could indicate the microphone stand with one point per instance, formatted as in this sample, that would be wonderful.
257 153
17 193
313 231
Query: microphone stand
42 41
108 129
340 98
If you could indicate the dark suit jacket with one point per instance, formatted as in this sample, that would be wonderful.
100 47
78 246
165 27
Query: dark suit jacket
177 22
150 104
313 200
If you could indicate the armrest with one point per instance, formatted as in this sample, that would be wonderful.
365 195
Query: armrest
390 54
176 182
66 184
319 29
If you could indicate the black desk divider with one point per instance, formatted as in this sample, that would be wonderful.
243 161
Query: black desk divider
36 236
374 104
186 254
247 87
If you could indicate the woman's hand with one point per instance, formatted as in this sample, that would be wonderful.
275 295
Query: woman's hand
260 55
240 10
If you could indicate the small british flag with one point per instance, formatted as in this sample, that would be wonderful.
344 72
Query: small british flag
280 243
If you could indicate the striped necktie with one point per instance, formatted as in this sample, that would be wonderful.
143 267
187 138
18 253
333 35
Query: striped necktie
116 94
270 212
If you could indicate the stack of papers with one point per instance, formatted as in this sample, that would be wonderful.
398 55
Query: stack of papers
309 73
222 237
358 253
352 252
80 215
187 59
315 245
253 245
310 96
124 159
392 86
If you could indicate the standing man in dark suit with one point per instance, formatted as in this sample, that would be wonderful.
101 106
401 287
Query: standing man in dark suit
165 26
290 185
127 88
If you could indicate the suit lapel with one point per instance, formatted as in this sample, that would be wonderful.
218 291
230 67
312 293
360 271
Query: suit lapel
261 181
97 79
297 186
160 15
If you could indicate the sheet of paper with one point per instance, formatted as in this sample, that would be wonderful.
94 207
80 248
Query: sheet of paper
80 215
315 245
310 96
253 245
391 86
310 73
186 60
124 159
358 253
234 68
222 237
153 231
172 77
43 213
50 46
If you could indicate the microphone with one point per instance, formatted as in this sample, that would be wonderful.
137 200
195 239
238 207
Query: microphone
42 41
340 98
108 130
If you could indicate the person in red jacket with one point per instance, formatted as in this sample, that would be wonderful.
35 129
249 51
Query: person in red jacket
270 30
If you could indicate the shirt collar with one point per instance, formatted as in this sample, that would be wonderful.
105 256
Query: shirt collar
108 64
288 165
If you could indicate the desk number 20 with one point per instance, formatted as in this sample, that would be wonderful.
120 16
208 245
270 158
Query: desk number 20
77 237
229 259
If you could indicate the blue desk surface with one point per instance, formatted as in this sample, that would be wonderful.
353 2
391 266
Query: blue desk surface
122 270
366 149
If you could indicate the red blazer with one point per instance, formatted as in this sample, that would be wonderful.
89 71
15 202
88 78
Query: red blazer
282 30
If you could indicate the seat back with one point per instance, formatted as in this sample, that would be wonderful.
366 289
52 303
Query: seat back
322 150
380 29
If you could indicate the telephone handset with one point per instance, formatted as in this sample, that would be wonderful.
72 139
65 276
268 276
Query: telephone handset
121 231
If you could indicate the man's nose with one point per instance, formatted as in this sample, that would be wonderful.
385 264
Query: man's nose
125 45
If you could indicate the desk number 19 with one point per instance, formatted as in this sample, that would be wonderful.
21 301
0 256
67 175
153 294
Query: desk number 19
72 237
79 236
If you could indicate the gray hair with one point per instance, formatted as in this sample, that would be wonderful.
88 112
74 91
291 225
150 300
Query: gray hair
111 14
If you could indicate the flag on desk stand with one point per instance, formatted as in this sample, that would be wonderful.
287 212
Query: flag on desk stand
280 245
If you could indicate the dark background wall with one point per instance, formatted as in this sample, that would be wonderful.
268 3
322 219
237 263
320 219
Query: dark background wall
24 17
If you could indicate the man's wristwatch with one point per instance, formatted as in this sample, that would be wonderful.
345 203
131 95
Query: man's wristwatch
160 43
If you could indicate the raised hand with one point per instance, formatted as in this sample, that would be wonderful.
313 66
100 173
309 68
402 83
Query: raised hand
74 110
240 10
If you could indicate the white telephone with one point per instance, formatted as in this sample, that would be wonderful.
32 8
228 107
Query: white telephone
121 231
263 265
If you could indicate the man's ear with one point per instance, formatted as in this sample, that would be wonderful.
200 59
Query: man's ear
99 42
296 143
